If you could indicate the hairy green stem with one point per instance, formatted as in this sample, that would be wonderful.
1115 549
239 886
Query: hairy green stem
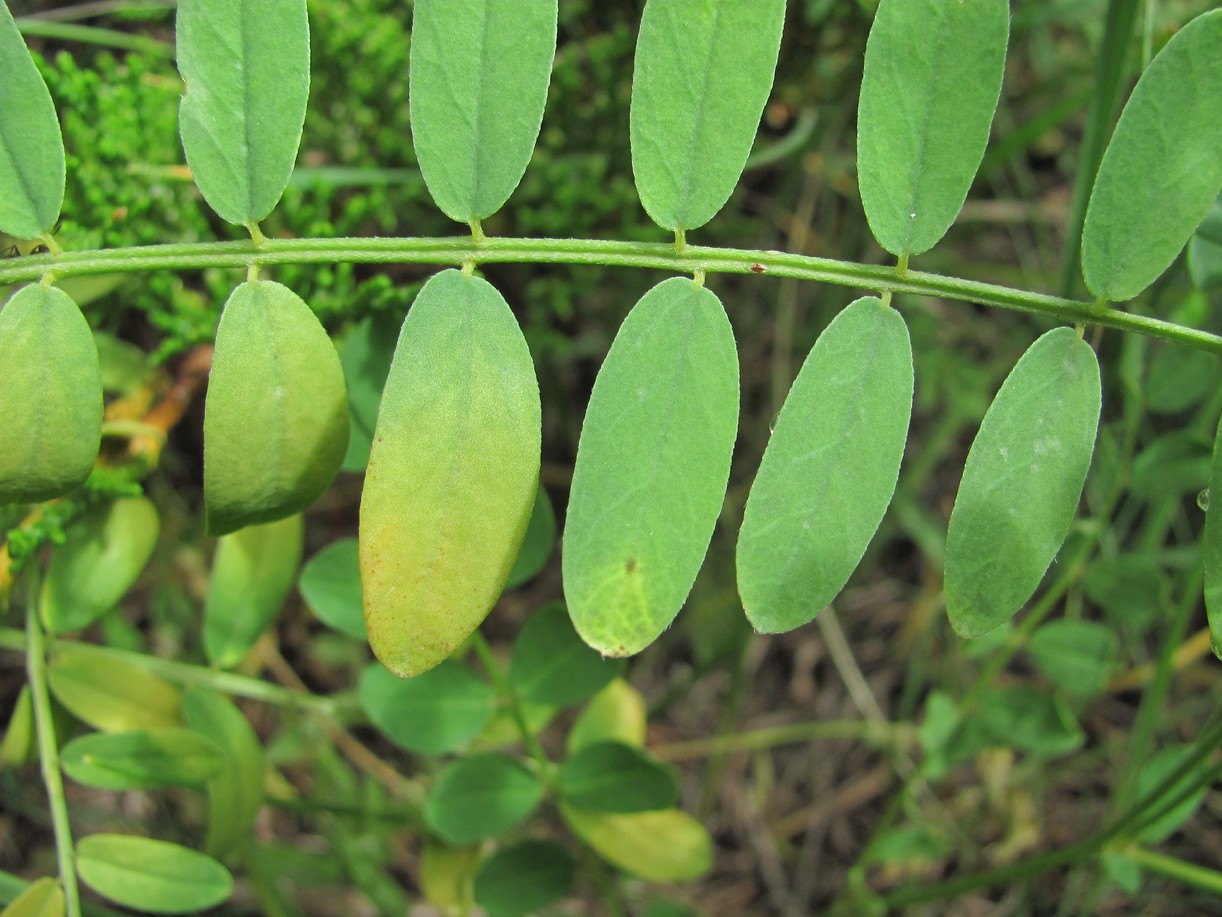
661 256
48 748
185 673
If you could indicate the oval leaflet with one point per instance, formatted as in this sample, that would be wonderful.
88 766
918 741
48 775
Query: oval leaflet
50 396
1022 482
452 473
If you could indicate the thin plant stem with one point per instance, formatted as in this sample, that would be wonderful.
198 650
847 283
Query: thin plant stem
505 689
457 251
185 673
48 749
1202 877
884 735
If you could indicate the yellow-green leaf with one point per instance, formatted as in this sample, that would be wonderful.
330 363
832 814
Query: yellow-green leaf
150 875
664 846
110 695
44 898
276 415
452 474
50 396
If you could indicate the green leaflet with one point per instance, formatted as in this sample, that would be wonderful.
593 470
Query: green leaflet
330 583
702 74
252 573
652 467
103 555
932 78
1022 481
1163 166
31 147
478 79
151 875
276 415
434 713
247 72
481 796
112 696
452 475
50 396
141 759
830 469
524 879
235 792
1211 548
616 777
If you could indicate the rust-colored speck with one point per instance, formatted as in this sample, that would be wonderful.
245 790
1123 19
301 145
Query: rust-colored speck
758 268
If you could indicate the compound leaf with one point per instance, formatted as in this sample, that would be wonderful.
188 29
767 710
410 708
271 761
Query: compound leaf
276 415
932 78
1022 482
652 467
830 469
50 396
246 67
1163 167
478 80
154 876
702 74
452 475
